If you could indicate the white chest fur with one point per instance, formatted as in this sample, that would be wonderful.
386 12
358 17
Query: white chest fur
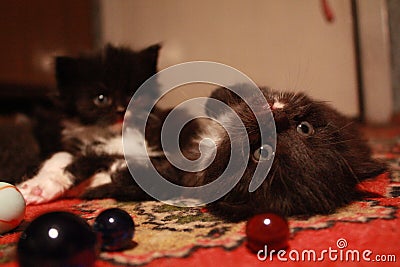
105 140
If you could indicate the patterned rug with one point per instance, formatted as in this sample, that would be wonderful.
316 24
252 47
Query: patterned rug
365 233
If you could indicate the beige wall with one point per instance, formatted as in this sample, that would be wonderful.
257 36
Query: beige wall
285 44
375 55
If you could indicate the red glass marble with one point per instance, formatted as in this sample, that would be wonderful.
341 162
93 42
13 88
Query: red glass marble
267 229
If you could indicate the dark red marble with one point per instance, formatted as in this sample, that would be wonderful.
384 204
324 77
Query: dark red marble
267 229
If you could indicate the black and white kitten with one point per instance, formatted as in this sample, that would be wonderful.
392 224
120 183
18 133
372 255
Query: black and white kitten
80 136
320 157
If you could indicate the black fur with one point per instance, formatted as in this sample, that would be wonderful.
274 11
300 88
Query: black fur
116 73
311 174
20 152
94 92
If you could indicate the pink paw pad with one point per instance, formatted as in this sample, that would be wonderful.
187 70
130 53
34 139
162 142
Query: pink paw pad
36 191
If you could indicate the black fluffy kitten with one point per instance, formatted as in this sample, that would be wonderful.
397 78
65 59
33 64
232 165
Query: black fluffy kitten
320 157
80 135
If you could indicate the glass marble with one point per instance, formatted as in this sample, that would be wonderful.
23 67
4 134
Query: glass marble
267 229
116 229
58 239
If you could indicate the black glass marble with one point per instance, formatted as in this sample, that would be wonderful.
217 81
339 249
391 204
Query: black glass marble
116 229
58 239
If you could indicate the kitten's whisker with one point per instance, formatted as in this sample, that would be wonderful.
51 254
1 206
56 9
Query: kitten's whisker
347 165
282 179
338 129
335 143
346 125
272 176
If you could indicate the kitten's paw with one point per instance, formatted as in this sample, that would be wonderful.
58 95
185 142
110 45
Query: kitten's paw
50 183
42 190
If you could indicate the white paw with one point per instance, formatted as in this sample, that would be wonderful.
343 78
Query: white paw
41 190
50 183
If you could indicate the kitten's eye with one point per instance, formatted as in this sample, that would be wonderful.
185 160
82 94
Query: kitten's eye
102 100
305 128
263 153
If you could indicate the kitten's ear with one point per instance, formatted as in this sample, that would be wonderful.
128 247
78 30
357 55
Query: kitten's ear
72 71
111 51
150 56
152 50
109 47
224 95
66 70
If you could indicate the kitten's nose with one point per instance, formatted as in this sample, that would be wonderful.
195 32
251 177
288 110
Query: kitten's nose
120 109
281 121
